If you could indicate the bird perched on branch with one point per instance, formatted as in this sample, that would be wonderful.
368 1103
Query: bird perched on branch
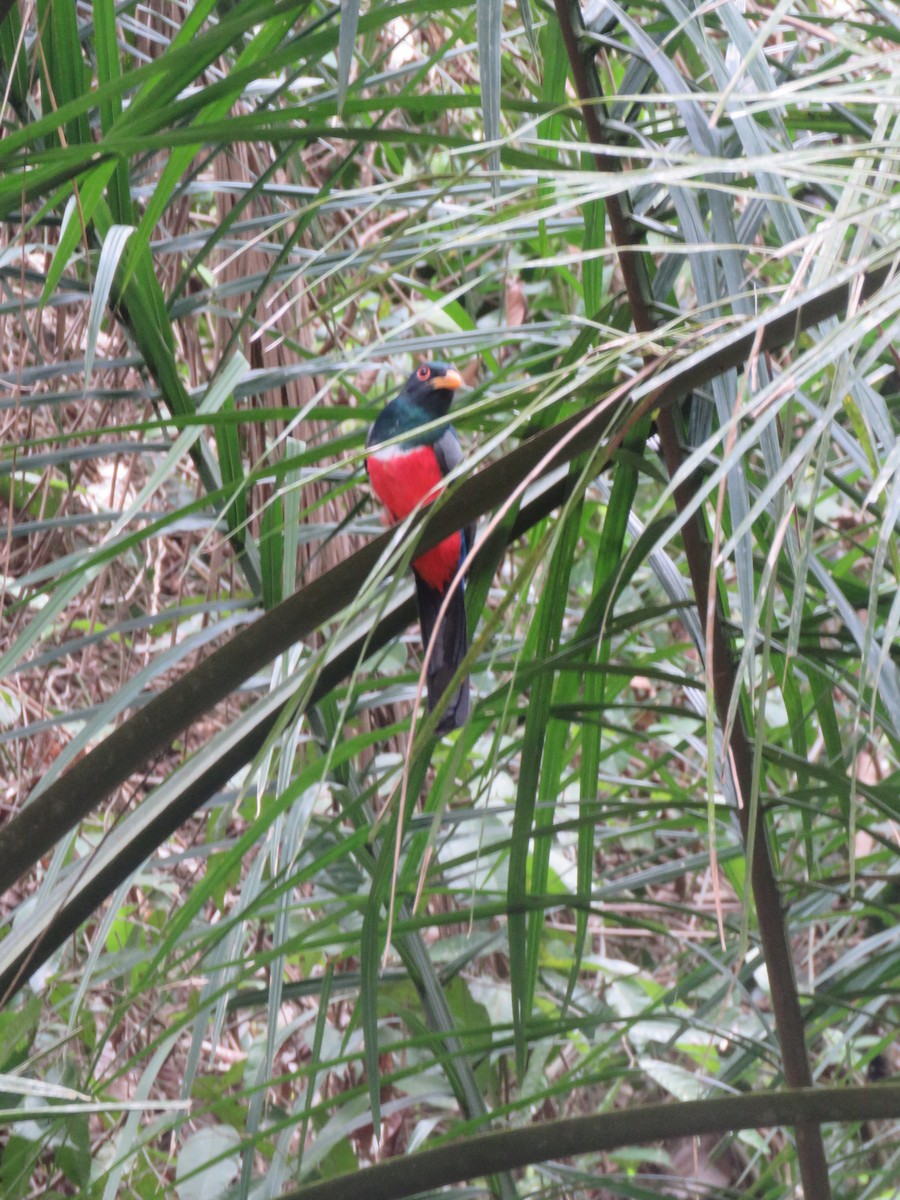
404 476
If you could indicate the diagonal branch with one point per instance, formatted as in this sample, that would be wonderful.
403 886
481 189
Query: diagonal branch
509 1149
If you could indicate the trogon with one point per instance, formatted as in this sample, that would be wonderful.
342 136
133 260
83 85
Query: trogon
404 475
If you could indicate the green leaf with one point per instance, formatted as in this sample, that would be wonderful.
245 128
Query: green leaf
346 44
490 33
110 256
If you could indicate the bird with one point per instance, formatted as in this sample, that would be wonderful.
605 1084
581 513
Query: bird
404 475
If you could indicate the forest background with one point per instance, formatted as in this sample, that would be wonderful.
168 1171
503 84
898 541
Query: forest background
263 931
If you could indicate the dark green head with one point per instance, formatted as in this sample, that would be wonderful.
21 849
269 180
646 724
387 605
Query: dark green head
431 387
425 397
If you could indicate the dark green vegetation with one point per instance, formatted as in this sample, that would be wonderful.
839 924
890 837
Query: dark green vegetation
248 893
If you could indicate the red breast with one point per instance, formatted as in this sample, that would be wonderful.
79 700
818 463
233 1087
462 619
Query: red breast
402 479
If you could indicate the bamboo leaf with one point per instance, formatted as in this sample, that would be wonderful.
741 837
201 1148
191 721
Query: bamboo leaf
490 35
110 256
346 45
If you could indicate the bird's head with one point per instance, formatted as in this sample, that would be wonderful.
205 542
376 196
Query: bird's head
431 387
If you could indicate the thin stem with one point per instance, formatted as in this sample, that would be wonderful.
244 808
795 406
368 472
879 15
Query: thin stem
738 752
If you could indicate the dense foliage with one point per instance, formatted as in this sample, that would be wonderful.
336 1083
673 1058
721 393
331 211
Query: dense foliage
263 929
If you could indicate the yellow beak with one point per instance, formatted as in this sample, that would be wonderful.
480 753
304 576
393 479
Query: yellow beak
451 380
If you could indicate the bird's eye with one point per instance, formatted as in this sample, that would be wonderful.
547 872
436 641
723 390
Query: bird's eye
423 373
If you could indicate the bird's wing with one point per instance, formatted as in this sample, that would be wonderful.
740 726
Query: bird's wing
448 451
449 454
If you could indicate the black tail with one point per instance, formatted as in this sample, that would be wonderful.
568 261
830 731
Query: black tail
449 651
